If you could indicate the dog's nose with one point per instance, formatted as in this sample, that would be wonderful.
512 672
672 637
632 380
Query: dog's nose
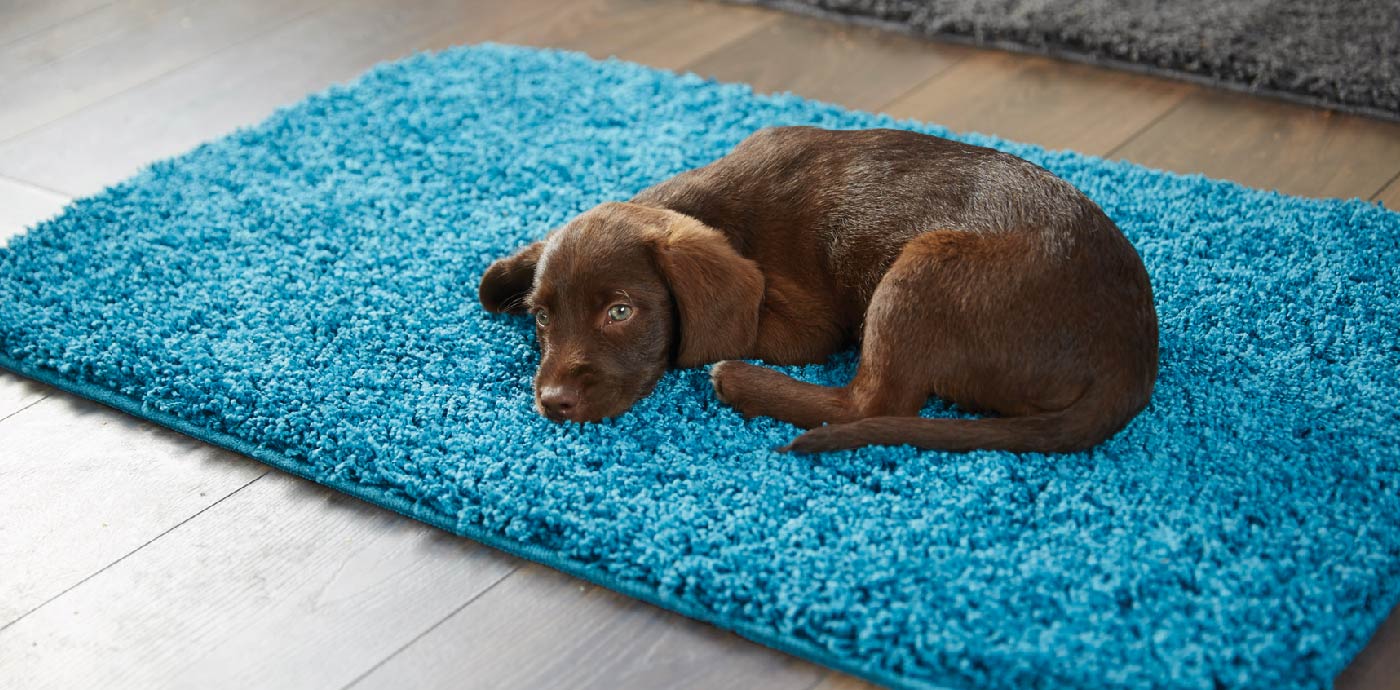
559 402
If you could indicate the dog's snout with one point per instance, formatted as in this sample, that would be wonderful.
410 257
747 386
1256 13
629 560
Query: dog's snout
559 402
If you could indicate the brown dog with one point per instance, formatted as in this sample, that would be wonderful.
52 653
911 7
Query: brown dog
966 273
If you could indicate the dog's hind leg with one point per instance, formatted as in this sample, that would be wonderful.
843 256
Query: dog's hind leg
955 315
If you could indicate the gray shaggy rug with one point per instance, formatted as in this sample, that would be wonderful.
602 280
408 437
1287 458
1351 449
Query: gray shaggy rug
1342 54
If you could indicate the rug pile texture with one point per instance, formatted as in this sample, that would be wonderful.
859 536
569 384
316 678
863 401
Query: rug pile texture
303 292
1343 55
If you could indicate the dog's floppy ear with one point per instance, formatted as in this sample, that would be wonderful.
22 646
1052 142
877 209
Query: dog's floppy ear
717 291
508 281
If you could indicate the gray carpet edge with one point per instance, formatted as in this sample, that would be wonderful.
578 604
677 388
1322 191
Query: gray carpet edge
798 7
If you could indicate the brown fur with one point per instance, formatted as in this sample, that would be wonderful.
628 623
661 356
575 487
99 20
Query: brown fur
963 272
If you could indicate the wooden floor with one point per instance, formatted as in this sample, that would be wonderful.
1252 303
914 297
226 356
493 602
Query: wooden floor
131 556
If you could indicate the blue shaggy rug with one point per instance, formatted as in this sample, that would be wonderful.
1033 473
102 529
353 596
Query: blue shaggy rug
304 292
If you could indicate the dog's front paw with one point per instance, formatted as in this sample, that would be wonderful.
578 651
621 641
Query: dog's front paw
731 379
720 375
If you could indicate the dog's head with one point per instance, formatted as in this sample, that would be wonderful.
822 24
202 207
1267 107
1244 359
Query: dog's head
620 294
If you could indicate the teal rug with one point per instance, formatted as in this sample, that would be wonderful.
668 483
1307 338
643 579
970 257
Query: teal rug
304 292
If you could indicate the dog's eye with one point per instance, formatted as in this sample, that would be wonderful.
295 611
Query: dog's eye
542 318
619 312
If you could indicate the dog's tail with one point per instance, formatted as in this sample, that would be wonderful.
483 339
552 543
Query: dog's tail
1090 420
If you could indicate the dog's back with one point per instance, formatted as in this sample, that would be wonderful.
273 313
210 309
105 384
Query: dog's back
863 194
833 211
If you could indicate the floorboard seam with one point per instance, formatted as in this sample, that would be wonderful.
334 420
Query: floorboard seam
36 402
130 553
759 25
431 628
1375 196
1150 124
938 74
18 182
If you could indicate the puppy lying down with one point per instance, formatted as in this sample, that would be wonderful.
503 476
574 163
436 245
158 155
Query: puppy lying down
961 271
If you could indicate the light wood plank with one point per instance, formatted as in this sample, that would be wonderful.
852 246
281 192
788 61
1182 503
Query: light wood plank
1037 100
564 633
82 486
852 66
1271 145
27 17
175 37
707 30
22 206
284 584
668 34
82 153
102 24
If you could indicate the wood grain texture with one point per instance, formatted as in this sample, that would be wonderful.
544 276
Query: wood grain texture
568 634
28 17
1270 145
82 153
855 67
21 206
82 486
281 585
179 35
1055 104
83 31
669 34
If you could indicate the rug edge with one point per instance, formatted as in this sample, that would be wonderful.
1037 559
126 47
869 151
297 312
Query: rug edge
798 8
375 495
